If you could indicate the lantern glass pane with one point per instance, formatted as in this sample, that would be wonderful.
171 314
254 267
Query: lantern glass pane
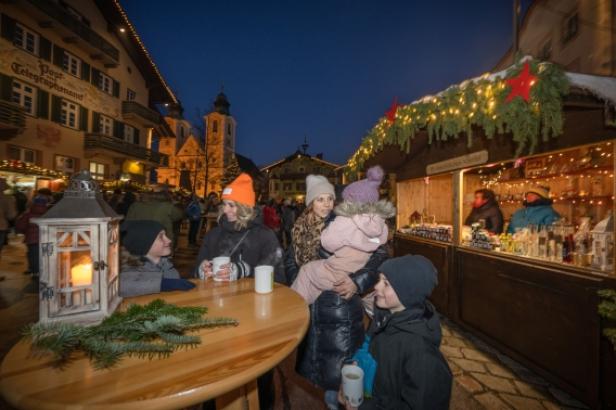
76 278
83 238
65 239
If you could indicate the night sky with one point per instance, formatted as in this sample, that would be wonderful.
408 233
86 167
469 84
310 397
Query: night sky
325 69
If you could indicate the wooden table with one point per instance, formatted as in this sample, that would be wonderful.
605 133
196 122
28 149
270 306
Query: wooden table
228 359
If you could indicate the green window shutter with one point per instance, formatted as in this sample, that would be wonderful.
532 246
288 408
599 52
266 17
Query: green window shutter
95 77
6 87
83 118
44 48
96 122
136 136
58 55
8 28
118 129
43 104
56 109
116 88
85 71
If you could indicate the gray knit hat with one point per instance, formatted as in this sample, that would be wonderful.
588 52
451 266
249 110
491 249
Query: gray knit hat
317 185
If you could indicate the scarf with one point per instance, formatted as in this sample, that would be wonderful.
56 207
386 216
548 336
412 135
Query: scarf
306 235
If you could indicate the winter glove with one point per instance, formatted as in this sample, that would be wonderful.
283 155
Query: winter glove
167 285
367 363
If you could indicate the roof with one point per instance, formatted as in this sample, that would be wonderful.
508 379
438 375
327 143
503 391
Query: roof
298 154
160 92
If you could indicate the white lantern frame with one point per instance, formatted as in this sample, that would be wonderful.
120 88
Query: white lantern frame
79 239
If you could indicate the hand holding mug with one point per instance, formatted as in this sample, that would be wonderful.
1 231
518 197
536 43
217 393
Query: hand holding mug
205 270
224 273
343 401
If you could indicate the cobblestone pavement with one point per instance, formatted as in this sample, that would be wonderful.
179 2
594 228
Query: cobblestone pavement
484 378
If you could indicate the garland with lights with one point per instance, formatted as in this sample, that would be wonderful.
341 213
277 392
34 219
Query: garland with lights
21 167
489 102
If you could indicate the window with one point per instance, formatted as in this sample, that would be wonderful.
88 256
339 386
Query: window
71 64
22 154
546 51
570 26
129 134
105 125
181 132
276 186
24 95
300 186
287 186
97 170
214 126
69 114
26 39
229 129
301 169
105 83
65 164
130 95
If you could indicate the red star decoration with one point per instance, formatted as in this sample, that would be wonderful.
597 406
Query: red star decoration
521 85
391 114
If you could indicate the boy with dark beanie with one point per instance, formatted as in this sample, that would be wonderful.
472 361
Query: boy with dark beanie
411 372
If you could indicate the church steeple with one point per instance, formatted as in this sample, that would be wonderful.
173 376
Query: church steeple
221 104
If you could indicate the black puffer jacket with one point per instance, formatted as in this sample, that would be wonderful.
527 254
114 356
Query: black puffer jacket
259 246
336 325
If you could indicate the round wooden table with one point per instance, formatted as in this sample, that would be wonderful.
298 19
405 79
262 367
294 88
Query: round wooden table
224 366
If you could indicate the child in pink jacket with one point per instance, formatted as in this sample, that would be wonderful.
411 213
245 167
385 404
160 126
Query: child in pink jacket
358 230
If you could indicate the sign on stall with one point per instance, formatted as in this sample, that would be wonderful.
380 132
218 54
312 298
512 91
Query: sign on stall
464 161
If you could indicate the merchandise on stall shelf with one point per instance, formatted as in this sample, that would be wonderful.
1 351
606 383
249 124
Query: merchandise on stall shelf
603 245
442 233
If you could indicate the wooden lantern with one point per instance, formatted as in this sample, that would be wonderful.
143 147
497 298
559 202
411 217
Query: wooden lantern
79 251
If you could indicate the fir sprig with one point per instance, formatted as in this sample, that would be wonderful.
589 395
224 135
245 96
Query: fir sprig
145 331
607 310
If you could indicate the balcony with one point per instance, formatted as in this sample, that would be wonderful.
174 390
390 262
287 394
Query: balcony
12 120
100 142
145 116
74 31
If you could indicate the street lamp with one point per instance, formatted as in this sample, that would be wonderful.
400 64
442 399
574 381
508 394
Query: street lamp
79 254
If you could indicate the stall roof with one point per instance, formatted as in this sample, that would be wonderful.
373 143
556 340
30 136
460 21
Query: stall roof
602 87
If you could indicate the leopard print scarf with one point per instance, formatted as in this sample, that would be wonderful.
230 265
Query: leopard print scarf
307 237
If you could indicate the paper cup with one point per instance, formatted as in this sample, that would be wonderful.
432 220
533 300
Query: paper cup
264 279
353 384
217 264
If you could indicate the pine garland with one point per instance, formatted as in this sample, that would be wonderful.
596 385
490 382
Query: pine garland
153 330
607 310
477 103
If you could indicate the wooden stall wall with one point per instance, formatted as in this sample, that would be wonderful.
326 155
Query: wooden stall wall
543 317
432 196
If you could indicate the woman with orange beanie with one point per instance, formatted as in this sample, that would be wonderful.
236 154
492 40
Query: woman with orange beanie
240 235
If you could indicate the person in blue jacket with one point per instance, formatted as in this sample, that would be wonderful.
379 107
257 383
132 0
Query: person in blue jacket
537 210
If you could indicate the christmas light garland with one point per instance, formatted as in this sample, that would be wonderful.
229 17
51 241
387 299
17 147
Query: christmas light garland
481 103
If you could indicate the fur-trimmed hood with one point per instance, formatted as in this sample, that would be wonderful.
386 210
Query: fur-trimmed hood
382 208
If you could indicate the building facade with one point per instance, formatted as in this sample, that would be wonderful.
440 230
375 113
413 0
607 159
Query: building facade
577 34
78 90
287 177
220 130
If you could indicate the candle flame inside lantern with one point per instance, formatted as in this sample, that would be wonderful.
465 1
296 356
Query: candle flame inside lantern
81 274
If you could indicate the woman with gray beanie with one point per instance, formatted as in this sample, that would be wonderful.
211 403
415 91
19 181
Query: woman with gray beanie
336 327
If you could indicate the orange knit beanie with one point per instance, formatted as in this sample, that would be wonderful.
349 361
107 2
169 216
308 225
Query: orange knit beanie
240 190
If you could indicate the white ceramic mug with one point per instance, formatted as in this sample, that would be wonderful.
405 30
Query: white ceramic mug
217 264
264 279
353 384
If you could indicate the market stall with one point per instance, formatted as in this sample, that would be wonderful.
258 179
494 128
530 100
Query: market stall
532 289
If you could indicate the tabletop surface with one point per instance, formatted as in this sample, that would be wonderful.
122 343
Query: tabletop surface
271 326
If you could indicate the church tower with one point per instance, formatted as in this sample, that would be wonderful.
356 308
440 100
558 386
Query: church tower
220 129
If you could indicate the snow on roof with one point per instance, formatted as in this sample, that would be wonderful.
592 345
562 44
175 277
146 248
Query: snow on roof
600 86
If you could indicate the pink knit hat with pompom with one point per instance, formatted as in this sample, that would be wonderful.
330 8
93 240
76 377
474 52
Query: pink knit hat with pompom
365 190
